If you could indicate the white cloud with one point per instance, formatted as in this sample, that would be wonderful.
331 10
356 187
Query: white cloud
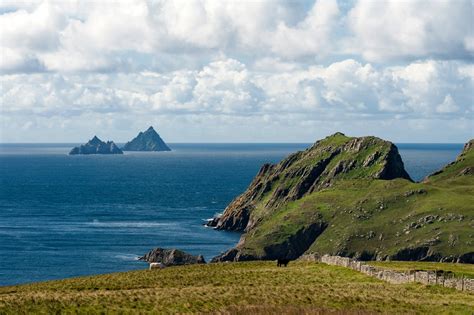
427 84
394 29
228 87
448 105
32 31
98 36
235 62
311 36
129 35
24 36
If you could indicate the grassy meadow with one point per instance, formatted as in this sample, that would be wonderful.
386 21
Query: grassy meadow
234 288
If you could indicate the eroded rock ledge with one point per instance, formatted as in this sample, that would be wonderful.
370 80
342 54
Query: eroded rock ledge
171 257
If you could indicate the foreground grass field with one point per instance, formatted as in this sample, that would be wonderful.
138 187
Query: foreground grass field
233 288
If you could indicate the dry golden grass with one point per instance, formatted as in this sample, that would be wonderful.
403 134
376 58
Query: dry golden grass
233 288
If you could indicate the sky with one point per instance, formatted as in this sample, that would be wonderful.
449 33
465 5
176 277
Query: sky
237 71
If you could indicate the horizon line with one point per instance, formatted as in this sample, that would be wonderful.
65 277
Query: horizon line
118 142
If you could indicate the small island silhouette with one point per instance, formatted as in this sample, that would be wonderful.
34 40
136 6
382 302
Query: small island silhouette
148 140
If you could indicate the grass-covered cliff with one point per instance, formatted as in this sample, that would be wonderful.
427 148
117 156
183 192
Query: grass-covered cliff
352 197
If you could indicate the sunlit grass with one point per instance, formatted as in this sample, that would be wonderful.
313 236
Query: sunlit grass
233 288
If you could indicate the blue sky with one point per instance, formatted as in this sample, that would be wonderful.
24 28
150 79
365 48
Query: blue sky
237 71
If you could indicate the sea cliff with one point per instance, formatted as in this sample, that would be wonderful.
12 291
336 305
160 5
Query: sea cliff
352 197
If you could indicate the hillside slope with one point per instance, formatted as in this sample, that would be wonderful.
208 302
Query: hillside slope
352 197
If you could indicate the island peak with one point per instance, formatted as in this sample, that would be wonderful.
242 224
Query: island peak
149 140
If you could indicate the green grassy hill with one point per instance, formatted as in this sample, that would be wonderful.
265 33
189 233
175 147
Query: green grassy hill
233 288
352 197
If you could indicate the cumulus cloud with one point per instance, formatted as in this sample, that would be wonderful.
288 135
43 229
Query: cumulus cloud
394 29
435 82
229 87
98 36
311 36
448 105
271 62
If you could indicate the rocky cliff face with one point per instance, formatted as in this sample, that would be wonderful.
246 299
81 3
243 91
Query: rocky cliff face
96 146
333 158
462 166
352 197
149 140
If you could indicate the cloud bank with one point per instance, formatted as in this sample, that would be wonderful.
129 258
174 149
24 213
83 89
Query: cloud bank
237 71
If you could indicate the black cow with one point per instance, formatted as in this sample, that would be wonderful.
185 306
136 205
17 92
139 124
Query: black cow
282 262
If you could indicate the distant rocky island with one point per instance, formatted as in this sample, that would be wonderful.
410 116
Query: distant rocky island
96 146
352 197
149 140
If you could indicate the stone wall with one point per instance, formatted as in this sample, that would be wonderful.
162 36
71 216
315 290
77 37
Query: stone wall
397 277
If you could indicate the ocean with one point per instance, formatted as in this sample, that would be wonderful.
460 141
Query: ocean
64 216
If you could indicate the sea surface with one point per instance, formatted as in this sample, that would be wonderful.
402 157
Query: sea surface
63 216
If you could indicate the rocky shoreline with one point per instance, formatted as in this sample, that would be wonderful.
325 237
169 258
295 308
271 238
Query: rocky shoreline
171 257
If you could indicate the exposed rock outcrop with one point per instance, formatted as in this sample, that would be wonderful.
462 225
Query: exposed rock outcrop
96 146
468 147
149 140
171 257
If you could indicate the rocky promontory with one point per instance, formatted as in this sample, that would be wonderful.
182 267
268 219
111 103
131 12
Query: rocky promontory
171 257
96 146
318 167
148 140
351 196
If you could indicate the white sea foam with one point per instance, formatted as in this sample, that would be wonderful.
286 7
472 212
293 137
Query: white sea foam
128 224
127 257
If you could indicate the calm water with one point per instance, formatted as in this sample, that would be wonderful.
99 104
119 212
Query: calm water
64 216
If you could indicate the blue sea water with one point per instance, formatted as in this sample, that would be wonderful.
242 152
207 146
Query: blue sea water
63 216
